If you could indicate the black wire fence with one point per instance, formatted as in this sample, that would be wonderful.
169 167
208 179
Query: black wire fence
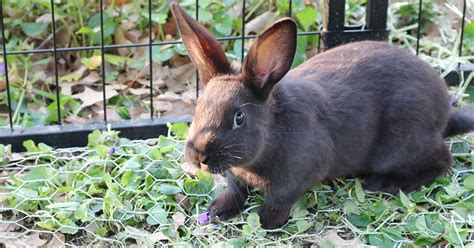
333 33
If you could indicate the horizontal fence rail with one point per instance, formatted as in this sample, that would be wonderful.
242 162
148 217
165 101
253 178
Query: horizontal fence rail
334 33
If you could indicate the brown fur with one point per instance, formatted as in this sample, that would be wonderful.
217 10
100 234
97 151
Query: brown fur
365 109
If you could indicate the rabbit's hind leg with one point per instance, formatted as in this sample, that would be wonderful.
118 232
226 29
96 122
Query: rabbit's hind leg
411 176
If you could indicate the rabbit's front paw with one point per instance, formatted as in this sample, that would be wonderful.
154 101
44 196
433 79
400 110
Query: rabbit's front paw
225 206
271 218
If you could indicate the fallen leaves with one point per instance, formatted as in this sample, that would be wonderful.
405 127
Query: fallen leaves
90 97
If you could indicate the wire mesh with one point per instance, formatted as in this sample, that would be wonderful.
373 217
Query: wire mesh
136 195
120 193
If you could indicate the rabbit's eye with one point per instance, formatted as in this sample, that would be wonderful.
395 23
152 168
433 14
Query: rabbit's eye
239 119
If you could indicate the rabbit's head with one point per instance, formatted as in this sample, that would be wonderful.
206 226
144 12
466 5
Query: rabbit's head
233 119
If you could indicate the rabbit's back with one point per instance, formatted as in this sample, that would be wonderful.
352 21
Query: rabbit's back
365 94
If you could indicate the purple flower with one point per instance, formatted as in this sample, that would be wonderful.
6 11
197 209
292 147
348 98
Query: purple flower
111 151
453 100
2 68
203 218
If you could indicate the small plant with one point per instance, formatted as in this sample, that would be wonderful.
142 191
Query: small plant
28 25
122 192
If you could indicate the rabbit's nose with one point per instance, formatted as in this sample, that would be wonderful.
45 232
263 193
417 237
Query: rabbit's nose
194 155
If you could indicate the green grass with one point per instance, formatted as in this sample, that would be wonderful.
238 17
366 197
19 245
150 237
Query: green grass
138 194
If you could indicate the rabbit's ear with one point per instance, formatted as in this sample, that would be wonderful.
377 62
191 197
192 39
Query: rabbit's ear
270 57
203 49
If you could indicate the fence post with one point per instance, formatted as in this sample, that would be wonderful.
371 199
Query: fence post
335 33
376 14
334 15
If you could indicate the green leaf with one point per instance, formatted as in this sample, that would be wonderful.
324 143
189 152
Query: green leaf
406 202
424 240
166 144
460 147
123 113
205 16
247 231
301 46
66 205
420 223
380 241
26 193
360 194
327 244
303 225
393 234
102 150
81 212
40 173
108 181
350 207
162 53
469 182
45 148
125 180
32 28
180 130
102 232
30 146
85 30
204 3
159 17
469 32
222 23
360 220
299 213
94 138
254 220
455 234
157 216
168 189
307 17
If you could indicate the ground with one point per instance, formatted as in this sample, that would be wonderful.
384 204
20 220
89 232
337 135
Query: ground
124 193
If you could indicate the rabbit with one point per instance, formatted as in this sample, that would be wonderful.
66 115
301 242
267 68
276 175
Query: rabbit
365 109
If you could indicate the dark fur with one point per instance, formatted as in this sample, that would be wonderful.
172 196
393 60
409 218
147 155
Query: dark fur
363 109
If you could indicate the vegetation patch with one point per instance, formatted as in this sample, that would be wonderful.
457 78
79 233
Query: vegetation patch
124 193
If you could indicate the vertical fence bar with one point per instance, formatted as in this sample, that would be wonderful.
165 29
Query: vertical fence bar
55 57
334 16
101 2
462 27
418 35
5 67
290 8
150 51
242 37
376 16
333 23
197 72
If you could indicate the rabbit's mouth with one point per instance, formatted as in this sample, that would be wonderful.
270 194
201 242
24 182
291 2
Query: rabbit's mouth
211 169
208 167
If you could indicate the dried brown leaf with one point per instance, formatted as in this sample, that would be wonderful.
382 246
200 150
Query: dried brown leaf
90 97
180 109
179 219
337 241
139 91
45 18
163 106
57 240
259 23
168 96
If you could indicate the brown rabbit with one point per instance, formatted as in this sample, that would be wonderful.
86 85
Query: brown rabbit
363 109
